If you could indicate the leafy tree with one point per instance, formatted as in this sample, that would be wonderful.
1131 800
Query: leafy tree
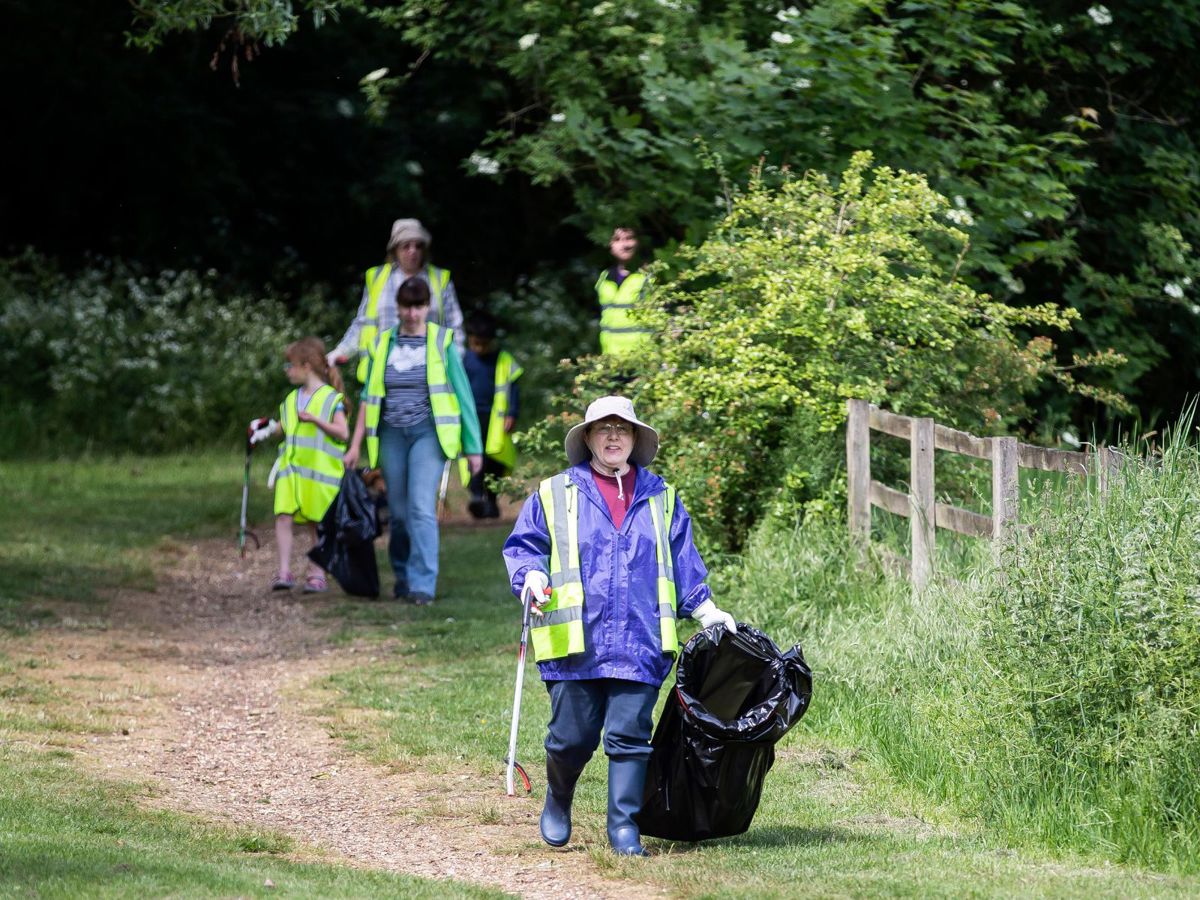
806 293
1064 133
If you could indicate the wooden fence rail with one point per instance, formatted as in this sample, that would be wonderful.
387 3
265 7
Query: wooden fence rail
920 506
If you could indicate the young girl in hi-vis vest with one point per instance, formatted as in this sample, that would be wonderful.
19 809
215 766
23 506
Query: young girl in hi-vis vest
313 422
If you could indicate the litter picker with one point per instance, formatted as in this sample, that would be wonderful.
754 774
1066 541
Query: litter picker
441 507
243 532
526 603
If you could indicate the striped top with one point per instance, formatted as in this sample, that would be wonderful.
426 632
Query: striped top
405 385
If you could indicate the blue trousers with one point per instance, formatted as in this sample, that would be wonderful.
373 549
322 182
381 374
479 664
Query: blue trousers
412 461
580 710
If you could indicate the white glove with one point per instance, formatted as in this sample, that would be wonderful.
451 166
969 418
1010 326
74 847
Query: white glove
261 429
334 358
708 614
538 584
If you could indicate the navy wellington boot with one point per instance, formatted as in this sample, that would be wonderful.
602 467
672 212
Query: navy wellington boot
555 823
626 779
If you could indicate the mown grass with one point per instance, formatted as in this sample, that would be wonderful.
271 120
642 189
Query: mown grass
64 835
74 530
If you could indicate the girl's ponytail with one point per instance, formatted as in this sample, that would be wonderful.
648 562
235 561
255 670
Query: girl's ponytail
333 377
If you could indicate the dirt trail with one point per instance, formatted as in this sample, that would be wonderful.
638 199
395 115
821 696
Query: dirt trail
202 683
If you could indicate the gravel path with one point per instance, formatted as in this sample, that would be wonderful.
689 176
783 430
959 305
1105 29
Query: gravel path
205 683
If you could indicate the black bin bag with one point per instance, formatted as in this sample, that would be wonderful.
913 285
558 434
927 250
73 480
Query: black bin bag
735 695
346 538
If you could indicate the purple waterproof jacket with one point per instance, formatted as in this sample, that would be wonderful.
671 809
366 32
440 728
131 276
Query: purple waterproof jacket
620 591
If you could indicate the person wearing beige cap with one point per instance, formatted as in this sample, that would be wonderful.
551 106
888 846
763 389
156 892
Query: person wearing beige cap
408 257
605 549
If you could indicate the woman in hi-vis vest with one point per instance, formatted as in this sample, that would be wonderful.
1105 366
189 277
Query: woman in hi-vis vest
407 257
417 411
606 549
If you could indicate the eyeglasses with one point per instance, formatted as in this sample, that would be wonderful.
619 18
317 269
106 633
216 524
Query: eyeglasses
614 429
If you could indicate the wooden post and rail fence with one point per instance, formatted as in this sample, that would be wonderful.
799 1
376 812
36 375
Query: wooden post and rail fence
920 506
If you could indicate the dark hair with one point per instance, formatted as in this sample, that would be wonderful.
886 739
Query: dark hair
413 292
482 325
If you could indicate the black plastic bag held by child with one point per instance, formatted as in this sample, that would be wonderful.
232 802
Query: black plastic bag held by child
735 695
345 539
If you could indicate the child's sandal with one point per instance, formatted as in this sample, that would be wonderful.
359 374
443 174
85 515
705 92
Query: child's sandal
315 584
283 582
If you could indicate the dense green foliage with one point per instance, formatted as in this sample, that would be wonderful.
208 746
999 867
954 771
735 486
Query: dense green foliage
112 359
1053 694
1064 134
806 293
803 296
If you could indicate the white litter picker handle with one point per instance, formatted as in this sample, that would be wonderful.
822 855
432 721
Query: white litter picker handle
526 600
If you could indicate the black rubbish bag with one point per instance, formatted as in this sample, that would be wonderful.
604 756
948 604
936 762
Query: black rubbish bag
346 538
735 695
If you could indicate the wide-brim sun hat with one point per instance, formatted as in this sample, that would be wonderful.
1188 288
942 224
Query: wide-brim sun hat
645 444
409 230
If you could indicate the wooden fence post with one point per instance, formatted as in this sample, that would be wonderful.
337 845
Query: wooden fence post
858 471
1006 486
1108 463
923 521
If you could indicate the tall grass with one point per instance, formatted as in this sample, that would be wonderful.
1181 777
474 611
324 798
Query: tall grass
1054 692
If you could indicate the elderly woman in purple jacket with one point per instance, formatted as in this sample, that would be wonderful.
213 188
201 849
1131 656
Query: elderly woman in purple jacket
606 550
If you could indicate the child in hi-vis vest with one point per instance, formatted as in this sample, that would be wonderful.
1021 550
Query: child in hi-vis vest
312 419
493 374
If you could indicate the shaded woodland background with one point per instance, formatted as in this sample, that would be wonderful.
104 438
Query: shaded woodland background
1064 132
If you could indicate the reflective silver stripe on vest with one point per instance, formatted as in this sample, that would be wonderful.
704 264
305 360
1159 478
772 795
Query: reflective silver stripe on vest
320 443
446 420
441 388
664 529
627 330
327 406
666 611
619 305
558 579
562 534
562 616
311 474
372 401
441 350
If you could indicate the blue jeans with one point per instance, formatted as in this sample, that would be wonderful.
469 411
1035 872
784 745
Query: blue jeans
579 710
412 461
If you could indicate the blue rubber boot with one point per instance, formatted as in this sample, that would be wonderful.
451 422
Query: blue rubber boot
626 780
555 823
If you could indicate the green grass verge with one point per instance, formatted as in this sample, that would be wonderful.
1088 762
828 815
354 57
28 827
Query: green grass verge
74 529
67 836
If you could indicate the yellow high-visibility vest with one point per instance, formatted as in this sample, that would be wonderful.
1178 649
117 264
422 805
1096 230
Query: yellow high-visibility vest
376 278
310 461
559 632
619 333
447 416
500 446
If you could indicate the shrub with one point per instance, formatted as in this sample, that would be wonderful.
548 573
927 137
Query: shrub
120 360
806 293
